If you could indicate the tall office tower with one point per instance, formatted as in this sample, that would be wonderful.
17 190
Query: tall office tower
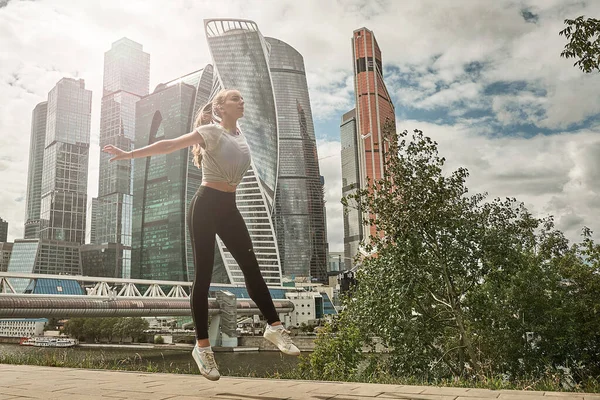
126 80
374 108
299 205
163 185
5 253
63 185
93 212
353 228
66 157
34 174
240 57
3 230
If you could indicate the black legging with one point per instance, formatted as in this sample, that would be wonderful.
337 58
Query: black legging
214 212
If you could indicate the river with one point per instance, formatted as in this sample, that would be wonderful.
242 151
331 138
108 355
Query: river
256 364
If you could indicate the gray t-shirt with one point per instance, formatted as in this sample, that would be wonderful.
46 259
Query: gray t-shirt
225 157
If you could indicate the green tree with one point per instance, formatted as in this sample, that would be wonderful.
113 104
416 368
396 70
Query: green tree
120 329
337 354
584 42
107 327
74 328
460 286
133 327
91 329
136 327
52 324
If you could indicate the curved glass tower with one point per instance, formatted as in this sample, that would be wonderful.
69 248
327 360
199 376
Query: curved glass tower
240 57
299 206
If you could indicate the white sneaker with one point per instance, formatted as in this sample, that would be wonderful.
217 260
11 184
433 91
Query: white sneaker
280 337
207 364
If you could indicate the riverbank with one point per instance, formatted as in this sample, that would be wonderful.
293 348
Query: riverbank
257 364
150 358
245 344
166 347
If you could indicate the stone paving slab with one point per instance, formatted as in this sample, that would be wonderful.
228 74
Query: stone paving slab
30 382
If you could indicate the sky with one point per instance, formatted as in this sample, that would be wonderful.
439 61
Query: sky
482 78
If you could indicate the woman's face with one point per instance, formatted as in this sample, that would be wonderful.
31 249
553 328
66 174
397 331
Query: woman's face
234 105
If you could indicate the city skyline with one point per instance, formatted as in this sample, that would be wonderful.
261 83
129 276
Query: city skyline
488 93
283 188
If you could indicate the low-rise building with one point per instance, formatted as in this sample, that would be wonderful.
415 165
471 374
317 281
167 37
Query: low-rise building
22 327
308 307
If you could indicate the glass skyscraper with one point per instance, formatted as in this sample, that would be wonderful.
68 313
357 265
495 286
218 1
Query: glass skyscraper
61 138
126 80
240 56
374 108
163 185
34 174
65 166
281 196
353 228
299 205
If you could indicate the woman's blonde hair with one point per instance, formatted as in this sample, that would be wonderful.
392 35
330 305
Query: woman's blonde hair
206 115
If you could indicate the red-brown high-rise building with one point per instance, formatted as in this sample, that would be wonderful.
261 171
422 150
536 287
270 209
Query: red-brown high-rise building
373 108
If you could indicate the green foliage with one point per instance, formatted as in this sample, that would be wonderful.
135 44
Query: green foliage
337 354
96 329
51 325
584 42
159 340
462 287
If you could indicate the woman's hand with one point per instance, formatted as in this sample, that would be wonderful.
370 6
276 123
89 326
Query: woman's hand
117 152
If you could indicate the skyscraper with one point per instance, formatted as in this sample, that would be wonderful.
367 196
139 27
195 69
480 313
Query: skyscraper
63 193
163 185
5 253
374 108
240 57
3 230
65 167
34 174
353 227
126 80
299 205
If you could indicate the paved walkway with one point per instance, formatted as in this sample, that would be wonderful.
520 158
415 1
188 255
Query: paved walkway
29 382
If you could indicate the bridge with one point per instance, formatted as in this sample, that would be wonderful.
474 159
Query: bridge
116 297
110 297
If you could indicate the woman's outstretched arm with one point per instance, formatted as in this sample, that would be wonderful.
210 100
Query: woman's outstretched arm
160 147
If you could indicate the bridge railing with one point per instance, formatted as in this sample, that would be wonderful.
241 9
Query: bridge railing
106 287
117 297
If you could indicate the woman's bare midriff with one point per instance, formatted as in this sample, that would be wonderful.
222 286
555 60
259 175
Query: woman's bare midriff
222 186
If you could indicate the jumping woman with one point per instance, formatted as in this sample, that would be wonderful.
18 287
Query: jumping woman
222 152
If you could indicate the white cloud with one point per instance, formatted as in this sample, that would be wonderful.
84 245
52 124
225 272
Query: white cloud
553 175
427 43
